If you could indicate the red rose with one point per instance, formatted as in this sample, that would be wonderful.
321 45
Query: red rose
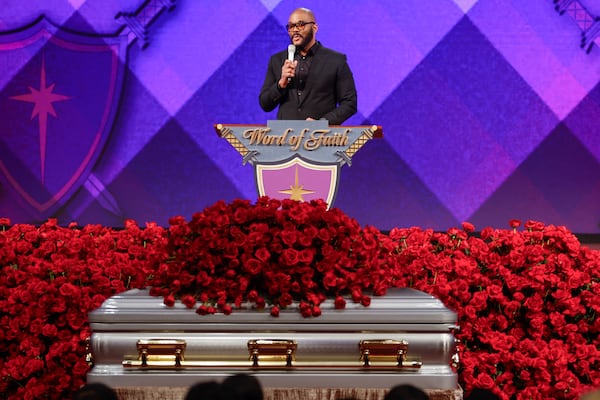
340 303
295 287
252 266
557 320
169 301
260 303
501 322
324 234
188 300
535 303
275 311
226 309
514 223
356 294
285 299
262 254
32 236
306 256
486 233
23 247
470 313
231 250
534 226
289 257
75 318
80 368
369 241
495 292
484 381
33 366
100 282
49 330
538 321
313 298
329 280
240 215
202 310
501 342
289 237
59 305
306 312
252 296
365 300
479 300
468 227
309 233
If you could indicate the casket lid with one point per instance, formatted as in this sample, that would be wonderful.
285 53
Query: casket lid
399 306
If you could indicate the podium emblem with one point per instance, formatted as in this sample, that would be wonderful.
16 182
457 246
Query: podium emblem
297 179
298 160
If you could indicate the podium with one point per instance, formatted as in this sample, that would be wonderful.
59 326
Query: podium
297 159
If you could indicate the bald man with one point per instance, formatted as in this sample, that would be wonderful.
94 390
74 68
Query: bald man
317 84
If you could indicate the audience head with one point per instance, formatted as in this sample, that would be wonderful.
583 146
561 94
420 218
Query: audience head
95 391
209 390
482 394
242 387
406 392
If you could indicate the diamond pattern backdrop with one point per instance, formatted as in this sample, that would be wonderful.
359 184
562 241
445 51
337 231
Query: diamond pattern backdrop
490 109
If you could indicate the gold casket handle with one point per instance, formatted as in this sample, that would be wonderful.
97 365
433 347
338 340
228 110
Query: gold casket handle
272 350
386 349
157 352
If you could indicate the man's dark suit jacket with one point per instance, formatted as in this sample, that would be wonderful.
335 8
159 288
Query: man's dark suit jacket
329 92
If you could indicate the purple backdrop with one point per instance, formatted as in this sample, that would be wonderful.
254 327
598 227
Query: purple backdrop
489 108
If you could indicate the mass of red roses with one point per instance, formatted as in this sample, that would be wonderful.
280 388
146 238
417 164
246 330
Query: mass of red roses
527 298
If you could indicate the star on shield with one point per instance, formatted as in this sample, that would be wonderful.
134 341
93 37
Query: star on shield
296 191
42 100
77 80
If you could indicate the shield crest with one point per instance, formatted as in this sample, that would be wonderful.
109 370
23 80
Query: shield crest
298 179
63 110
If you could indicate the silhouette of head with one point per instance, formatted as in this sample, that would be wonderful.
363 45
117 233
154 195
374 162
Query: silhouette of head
406 392
242 387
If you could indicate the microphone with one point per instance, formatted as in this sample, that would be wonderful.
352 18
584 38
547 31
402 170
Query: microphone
291 51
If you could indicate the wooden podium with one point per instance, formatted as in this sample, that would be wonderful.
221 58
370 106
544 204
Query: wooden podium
297 159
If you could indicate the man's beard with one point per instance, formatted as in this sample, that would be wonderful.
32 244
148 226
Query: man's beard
306 40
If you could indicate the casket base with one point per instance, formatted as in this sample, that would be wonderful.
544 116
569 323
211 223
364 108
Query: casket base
282 393
322 378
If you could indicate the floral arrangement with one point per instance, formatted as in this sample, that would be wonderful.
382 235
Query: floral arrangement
527 298
271 254
51 278
527 303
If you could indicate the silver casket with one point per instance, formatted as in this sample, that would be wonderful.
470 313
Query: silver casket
406 336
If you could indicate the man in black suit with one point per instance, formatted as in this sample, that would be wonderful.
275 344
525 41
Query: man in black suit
317 84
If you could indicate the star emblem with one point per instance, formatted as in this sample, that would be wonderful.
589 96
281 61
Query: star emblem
43 99
296 191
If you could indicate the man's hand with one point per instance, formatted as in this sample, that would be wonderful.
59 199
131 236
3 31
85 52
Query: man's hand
288 71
